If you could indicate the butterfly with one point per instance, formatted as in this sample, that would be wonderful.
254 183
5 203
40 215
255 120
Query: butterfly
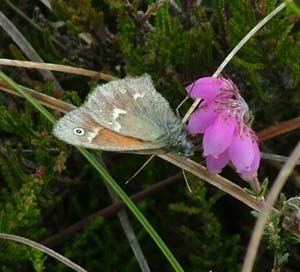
125 115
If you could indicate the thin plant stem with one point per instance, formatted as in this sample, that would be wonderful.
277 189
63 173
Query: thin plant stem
44 249
275 157
27 48
59 237
125 223
234 51
56 67
270 201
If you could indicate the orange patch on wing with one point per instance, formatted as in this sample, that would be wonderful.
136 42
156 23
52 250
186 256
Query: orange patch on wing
115 140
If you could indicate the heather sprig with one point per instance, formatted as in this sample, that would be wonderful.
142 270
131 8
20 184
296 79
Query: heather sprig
223 119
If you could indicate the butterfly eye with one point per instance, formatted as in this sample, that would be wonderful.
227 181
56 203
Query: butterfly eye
78 131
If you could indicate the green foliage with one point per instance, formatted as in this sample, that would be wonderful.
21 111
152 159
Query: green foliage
256 58
23 186
170 50
203 225
46 186
106 250
38 259
79 16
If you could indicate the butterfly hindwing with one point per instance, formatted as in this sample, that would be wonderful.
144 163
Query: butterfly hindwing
90 134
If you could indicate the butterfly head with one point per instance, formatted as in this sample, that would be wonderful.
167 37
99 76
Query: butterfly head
183 146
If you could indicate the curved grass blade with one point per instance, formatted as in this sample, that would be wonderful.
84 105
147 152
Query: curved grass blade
91 159
44 249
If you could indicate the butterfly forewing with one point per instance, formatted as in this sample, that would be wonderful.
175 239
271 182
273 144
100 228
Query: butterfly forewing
131 107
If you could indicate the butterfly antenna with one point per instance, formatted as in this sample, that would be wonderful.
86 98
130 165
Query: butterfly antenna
186 181
180 105
141 168
184 100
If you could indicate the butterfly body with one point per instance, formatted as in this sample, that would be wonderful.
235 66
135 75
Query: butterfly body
126 115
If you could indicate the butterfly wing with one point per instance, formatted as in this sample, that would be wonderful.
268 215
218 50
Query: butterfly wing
93 135
131 107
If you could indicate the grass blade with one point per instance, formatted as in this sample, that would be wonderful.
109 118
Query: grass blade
92 160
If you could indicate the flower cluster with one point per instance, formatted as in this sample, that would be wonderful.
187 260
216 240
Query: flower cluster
223 118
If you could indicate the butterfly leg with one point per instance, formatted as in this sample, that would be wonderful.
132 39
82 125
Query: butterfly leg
186 181
180 105
141 168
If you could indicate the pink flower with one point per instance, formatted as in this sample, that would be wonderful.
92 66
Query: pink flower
215 165
223 117
252 172
207 113
218 137
206 87
241 150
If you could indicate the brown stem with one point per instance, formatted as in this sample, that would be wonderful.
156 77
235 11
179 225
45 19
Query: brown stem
279 129
108 211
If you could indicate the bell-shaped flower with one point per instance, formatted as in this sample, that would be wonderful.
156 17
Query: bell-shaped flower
215 165
252 172
218 137
241 151
206 87
207 113
223 117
